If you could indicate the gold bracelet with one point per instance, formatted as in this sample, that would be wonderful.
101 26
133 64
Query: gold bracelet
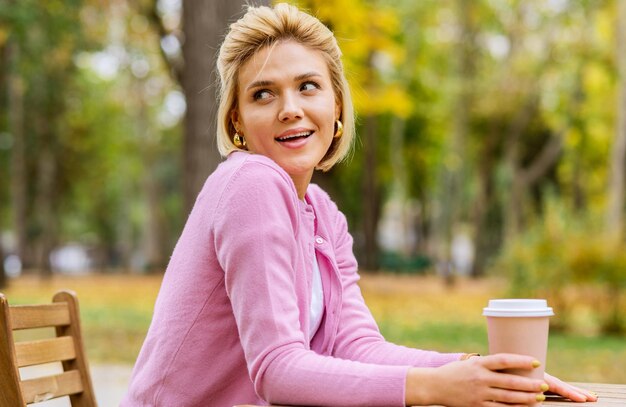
469 355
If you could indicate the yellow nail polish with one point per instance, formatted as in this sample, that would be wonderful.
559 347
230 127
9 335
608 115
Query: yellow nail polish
544 387
540 397
536 363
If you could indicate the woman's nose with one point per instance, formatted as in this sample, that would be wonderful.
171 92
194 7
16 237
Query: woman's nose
290 108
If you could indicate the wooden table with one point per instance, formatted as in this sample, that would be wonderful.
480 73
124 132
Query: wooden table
609 395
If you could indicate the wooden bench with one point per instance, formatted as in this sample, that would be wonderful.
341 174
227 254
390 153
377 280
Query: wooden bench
66 347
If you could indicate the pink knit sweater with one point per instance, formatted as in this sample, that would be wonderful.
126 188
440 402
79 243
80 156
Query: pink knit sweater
230 323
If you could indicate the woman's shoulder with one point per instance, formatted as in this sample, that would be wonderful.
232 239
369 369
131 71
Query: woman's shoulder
332 223
245 169
317 194
321 200
246 179
251 188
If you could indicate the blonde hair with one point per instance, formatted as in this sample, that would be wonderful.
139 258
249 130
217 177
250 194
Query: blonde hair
265 26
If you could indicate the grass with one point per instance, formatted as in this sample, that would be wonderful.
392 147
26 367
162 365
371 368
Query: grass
115 309
415 311
423 313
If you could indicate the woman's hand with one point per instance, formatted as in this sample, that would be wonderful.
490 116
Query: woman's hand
476 382
567 390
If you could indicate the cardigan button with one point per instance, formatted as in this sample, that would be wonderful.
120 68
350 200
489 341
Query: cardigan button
319 240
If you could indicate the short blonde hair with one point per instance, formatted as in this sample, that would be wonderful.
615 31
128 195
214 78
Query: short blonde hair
265 26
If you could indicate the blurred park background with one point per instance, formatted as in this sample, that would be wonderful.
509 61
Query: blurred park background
490 161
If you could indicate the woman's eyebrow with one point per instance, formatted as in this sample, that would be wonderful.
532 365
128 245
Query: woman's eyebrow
259 84
262 83
306 76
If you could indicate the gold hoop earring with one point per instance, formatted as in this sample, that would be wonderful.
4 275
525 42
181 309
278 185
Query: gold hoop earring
239 141
339 131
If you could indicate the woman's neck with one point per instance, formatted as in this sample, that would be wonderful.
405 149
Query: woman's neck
301 182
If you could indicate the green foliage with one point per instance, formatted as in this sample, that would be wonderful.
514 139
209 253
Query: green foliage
44 39
568 258
402 60
94 88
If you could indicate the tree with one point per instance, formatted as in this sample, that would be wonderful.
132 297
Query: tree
3 276
204 24
615 212
372 54
18 178
36 106
455 163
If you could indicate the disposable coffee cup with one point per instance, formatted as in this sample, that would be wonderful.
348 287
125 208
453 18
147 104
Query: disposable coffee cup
519 326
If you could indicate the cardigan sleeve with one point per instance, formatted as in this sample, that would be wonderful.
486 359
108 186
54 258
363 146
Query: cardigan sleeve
255 233
358 336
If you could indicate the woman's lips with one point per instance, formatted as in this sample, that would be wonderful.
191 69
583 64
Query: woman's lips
294 139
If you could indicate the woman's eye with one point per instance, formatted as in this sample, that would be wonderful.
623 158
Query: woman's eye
262 94
309 86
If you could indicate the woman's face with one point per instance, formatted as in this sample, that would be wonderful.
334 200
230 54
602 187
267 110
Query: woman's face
286 107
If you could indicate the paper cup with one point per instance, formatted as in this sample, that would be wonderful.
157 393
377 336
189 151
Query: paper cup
519 326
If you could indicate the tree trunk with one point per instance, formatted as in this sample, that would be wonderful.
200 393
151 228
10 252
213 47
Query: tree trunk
45 118
579 198
482 230
523 178
399 186
3 276
18 152
204 26
516 192
452 172
45 203
124 230
370 195
154 237
615 212
411 216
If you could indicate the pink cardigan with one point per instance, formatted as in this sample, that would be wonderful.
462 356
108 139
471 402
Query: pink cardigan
230 323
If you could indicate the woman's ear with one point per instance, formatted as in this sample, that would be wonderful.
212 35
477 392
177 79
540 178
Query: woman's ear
234 119
337 111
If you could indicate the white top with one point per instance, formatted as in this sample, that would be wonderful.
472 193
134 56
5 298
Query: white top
317 299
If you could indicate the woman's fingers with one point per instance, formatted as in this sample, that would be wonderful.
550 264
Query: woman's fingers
498 404
511 389
505 361
567 390
502 361
514 397
519 383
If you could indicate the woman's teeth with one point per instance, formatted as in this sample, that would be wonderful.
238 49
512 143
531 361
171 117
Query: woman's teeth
295 136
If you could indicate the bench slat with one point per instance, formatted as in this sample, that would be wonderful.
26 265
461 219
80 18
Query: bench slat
39 316
45 351
49 387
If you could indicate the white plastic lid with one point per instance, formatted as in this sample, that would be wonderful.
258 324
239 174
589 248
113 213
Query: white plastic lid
518 308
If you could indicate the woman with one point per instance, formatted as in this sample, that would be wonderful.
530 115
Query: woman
260 301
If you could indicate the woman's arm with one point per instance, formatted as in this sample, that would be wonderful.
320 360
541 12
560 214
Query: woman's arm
358 336
256 246
480 382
